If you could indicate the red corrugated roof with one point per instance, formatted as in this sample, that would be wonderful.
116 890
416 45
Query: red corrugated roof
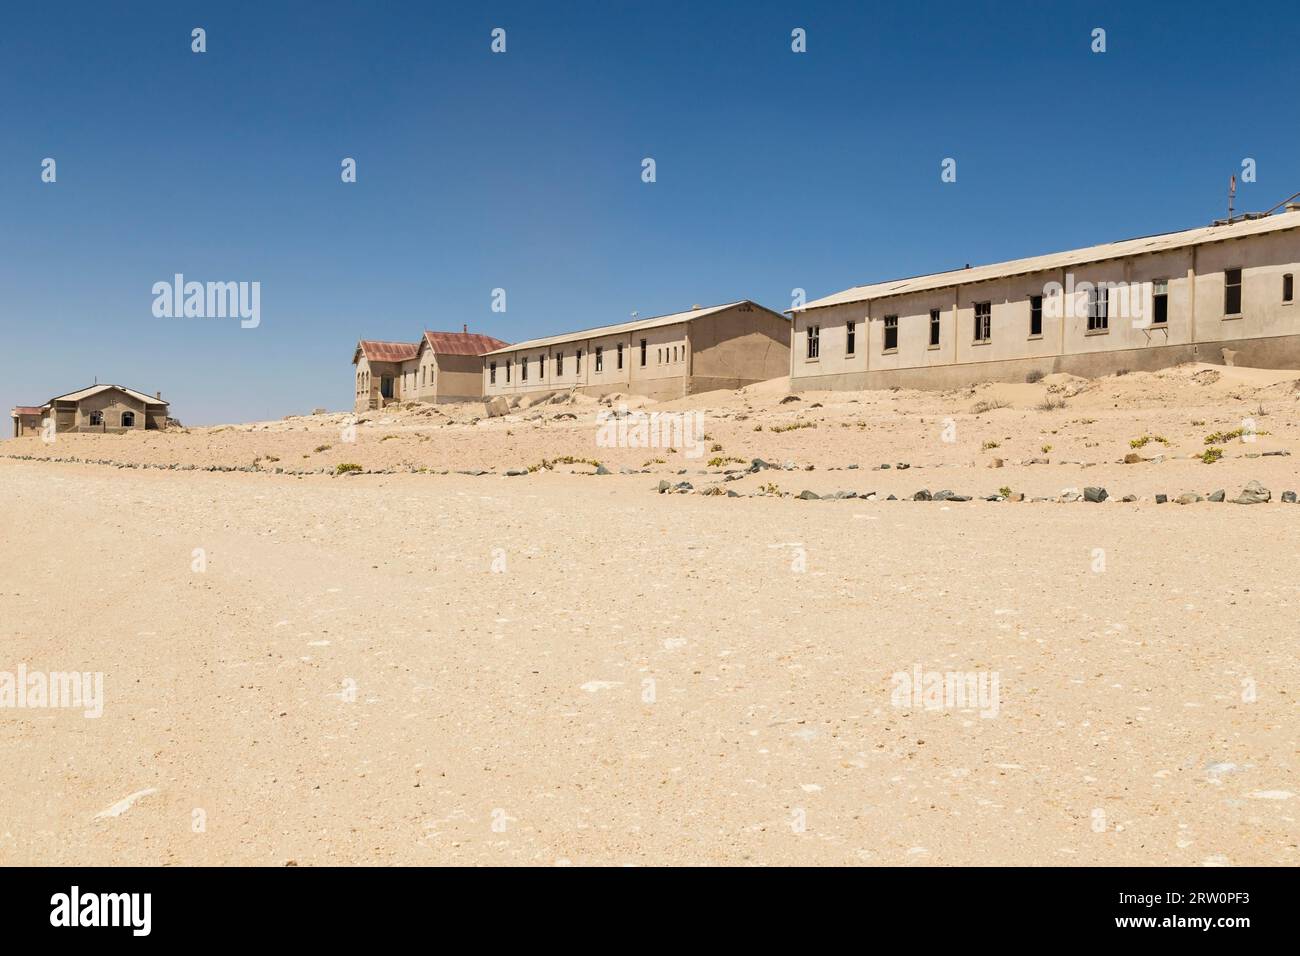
388 351
462 343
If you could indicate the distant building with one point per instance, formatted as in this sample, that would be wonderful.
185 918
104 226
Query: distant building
440 367
1220 293
99 408
664 357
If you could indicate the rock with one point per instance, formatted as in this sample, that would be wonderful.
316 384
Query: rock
1018 496
1161 499
1035 461
1188 498
892 498
731 493
952 497
996 463
1128 499
513 472
1218 495
663 486
902 466
1288 497
1277 454
809 495
943 495
1097 495
1253 494
1132 458
788 399
496 407
852 467
922 495
683 486
759 464
627 471
885 467
602 470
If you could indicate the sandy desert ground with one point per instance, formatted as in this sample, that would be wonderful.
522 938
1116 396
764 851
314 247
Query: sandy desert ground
413 665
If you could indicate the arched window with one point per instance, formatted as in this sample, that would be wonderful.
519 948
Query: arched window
128 419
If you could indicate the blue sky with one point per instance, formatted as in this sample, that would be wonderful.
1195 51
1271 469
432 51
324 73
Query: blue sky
522 170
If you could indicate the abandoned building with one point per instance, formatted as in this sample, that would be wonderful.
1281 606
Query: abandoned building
1223 293
663 357
99 408
440 367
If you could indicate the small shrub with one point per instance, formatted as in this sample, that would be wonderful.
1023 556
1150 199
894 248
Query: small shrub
717 446
1045 449
1210 455
990 444
1005 491
321 448
1051 404
344 468
793 426
988 405
1035 376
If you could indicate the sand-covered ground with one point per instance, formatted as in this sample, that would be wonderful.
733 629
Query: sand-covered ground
406 666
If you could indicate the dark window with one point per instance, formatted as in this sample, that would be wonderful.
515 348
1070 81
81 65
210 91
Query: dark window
1035 315
814 341
1288 287
891 333
559 363
523 369
1232 292
620 354
600 357
934 327
579 361
1099 308
851 338
386 387
643 353
983 321
492 373
128 419
96 418
1160 302
507 370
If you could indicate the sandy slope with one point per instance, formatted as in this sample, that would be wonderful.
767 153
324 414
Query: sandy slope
520 698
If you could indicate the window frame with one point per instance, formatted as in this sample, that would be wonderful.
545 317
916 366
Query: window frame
1098 314
1229 288
987 325
850 337
813 343
1035 316
891 325
1159 298
600 359
644 350
936 327
1288 288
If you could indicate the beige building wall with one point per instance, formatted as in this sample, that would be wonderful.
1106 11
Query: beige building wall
730 348
1266 331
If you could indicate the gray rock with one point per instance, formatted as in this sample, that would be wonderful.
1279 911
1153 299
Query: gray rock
513 472
790 398
809 495
683 486
952 497
923 495
759 464
1253 494
1219 495
885 467
902 466
1095 494
1288 497
1277 454
1161 499
496 407
892 498
1128 499
602 470
1188 498
663 486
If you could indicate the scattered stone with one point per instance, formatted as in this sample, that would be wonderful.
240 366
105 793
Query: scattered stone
1219 495
1069 494
497 407
1132 458
1161 499
952 497
514 472
892 498
1277 454
996 463
1036 461
663 486
943 495
683 486
1288 497
1128 499
731 493
602 470
788 399
922 495
1253 494
1188 498
903 466
809 495
1096 495
759 464
885 467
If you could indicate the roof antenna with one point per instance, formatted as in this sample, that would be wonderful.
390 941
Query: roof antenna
1232 192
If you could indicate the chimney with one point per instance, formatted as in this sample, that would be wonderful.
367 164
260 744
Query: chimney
464 327
158 395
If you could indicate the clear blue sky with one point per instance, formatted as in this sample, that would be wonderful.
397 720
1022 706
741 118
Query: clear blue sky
523 170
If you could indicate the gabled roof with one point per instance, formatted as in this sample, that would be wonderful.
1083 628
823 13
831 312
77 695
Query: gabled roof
460 343
636 326
1058 260
96 389
26 410
385 351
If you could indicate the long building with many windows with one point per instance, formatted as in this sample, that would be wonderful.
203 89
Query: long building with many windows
664 357
1221 293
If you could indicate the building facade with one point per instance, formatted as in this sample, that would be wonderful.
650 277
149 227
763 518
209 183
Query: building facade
1222 293
440 367
665 357
110 409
